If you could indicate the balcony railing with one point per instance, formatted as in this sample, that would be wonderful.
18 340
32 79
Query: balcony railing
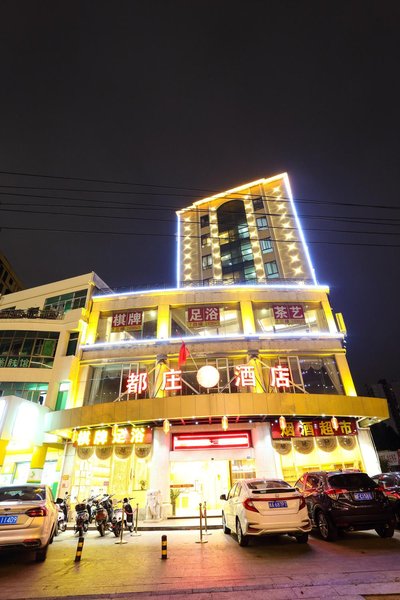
31 313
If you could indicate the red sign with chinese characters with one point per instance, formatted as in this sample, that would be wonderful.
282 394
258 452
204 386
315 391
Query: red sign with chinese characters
204 441
313 428
127 320
201 316
288 312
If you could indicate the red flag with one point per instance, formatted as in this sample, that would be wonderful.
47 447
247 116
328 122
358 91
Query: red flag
183 354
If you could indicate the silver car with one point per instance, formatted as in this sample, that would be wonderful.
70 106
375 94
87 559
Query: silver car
28 517
257 507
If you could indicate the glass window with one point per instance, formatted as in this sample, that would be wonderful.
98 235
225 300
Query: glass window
314 319
266 246
22 349
321 375
352 481
65 302
262 223
204 221
147 331
34 392
207 261
205 240
250 273
228 321
72 343
271 270
258 203
243 231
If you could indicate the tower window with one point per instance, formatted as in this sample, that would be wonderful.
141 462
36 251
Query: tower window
266 245
258 203
204 221
262 223
207 261
271 270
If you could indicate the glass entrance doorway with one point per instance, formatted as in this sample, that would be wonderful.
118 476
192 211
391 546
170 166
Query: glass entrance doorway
199 481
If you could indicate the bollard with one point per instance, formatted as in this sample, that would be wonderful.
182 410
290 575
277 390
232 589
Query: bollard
136 522
201 541
205 520
79 548
164 547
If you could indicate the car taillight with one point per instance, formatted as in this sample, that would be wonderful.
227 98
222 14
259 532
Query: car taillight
249 505
302 502
334 493
39 511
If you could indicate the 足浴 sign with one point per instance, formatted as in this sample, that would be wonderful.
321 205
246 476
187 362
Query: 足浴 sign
201 316
109 436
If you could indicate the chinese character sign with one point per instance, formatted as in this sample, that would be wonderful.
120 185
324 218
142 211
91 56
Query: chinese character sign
137 383
127 320
245 375
280 377
171 381
201 316
314 428
284 313
110 436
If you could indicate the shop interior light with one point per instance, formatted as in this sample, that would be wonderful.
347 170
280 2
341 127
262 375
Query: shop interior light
334 423
282 422
224 423
166 426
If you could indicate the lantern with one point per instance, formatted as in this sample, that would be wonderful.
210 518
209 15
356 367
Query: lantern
166 426
208 376
334 423
282 423
224 423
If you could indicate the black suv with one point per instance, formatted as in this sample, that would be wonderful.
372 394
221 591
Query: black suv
347 500
389 483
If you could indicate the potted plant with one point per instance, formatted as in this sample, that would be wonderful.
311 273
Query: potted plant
142 484
174 493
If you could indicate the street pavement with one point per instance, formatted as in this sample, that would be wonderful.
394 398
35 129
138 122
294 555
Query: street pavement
356 566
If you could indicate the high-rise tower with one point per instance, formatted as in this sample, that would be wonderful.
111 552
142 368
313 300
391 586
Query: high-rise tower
247 234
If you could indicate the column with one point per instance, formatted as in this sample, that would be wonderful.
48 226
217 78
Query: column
159 469
347 380
246 309
37 464
266 458
163 321
368 452
3 451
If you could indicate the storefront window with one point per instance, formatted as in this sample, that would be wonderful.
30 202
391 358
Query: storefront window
24 349
321 376
34 392
206 320
296 317
109 382
138 324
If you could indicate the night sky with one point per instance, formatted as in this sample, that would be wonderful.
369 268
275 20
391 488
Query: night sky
191 97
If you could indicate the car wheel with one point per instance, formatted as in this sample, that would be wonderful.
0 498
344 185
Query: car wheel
242 539
40 555
385 531
225 529
326 528
302 538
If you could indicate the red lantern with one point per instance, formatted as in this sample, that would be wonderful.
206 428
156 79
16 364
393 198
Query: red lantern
282 423
335 423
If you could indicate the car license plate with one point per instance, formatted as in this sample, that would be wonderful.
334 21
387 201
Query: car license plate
8 519
363 495
277 504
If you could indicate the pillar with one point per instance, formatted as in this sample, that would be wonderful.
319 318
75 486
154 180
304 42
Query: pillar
37 464
159 468
368 452
246 309
3 451
347 380
266 458
163 317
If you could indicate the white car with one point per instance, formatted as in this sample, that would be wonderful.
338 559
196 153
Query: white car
28 518
265 507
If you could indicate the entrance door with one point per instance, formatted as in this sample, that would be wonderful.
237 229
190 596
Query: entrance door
200 481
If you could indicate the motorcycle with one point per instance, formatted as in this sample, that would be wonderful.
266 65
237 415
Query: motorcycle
104 513
128 514
81 518
126 510
61 524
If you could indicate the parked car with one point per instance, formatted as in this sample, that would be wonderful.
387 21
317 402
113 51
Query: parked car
389 483
345 500
28 517
257 507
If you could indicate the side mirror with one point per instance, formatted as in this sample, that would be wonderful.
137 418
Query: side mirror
223 497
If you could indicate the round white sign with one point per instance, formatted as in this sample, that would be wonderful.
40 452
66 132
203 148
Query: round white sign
208 376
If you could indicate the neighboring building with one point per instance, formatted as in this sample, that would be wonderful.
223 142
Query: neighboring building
39 335
190 389
9 282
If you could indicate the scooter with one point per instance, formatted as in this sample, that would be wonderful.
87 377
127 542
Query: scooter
104 513
61 524
128 514
81 518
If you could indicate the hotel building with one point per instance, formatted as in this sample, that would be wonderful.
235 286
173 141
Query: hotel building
239 371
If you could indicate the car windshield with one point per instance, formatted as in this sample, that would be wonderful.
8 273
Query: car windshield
23 492
266 484
351 481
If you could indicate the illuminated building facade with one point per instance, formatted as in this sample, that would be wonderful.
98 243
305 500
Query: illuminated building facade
9 282
188 389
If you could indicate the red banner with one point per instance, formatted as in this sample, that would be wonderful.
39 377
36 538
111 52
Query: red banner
284 313
127 320
313 428
201 316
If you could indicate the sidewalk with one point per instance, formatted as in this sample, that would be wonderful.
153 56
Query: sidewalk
171 524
